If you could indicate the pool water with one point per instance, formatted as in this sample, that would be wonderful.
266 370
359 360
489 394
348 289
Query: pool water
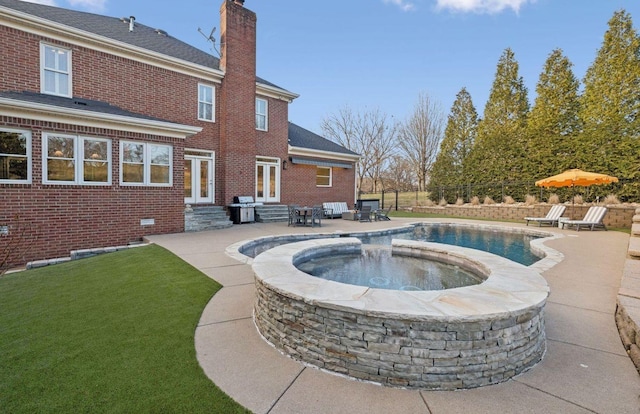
513 246
376 267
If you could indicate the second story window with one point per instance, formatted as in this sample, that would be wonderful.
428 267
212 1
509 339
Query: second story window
206 103
55 70
262 118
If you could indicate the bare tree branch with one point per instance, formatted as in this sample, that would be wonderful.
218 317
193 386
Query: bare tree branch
420 137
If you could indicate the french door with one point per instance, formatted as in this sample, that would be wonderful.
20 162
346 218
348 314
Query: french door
198 177
267 180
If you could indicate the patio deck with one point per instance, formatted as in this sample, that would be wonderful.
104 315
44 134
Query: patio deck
585 369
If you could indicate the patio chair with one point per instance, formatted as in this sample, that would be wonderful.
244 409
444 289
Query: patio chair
592 219
294 216
365 213
316 216
382 214
551 218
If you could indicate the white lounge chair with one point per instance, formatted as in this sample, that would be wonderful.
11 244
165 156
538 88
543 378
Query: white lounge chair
551 218
592 219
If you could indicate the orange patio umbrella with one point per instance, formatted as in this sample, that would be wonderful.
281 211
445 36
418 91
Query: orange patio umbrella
574 177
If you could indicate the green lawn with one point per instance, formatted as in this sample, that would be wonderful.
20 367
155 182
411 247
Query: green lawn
113 333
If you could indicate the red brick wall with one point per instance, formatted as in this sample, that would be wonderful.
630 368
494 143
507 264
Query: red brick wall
299 186
61 218
130 85
237 102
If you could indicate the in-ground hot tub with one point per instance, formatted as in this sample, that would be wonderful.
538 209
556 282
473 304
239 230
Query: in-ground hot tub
448 339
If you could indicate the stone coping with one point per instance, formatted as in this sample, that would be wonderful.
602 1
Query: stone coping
509 287
628 300
550 257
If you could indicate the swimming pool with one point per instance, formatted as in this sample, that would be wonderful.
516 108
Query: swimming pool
512 244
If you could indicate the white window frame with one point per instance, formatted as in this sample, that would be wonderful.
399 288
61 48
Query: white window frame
56 71
201 101
318 167
260 115
78 159
27 156
146 162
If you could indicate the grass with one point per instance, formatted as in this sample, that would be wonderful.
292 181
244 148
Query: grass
405 199
113 333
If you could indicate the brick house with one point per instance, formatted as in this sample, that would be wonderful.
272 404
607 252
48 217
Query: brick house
109 128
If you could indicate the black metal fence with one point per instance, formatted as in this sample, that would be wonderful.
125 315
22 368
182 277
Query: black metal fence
497 191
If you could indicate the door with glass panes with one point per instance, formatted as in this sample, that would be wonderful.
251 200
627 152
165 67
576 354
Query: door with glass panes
268 180
198 177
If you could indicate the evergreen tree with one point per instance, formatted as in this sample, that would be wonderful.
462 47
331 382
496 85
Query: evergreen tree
554 122
450 168
499 152
611 106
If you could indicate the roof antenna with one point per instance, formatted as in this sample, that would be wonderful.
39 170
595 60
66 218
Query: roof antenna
211 39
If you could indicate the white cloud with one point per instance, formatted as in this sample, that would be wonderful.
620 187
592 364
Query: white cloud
45 2
403 4
91 5
482 6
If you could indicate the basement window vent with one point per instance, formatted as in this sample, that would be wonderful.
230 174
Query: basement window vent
147 222
4 230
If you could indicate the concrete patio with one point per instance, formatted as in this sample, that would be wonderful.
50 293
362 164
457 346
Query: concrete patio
585 369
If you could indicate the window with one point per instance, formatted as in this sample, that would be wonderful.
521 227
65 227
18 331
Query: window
69 159
146 164
206 103
55 70
15 156
262 118
323 177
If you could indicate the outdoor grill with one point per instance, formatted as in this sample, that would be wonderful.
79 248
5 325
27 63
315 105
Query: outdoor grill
242 210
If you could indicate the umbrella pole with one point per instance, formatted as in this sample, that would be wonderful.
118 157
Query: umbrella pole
573 201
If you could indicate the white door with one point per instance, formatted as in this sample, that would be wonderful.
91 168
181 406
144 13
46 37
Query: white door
198 180
268 180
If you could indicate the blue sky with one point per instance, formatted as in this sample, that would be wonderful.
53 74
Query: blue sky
381 54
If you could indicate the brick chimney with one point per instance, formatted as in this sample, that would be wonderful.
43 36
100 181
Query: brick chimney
237 107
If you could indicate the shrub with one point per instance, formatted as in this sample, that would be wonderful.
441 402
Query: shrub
475 201
530 200
577 199
509 200
459 201
443 202
554 199
488 201
611 199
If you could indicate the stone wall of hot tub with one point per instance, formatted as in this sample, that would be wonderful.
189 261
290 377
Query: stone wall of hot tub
416 351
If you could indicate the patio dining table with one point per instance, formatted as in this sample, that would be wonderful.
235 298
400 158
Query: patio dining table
306 213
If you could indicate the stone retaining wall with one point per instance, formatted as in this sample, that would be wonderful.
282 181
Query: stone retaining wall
617 216
447 340
403 352
628 301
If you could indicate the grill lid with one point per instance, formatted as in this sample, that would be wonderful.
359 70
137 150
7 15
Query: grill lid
243 199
